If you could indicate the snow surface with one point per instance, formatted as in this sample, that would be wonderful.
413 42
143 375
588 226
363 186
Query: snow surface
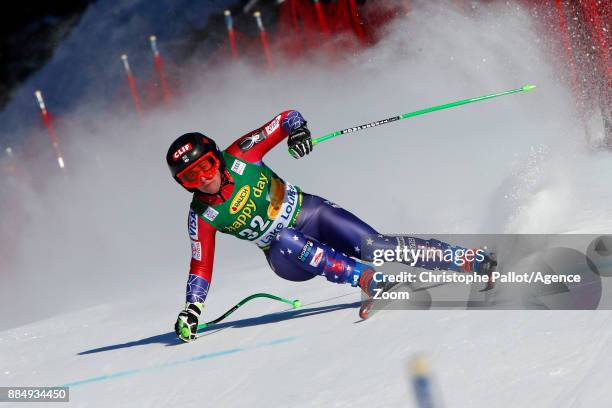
319 355
111 250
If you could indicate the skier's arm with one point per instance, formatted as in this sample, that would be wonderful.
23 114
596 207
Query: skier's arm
254 145
202 237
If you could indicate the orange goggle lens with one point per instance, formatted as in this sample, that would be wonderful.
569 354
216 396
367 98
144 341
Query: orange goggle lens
205 167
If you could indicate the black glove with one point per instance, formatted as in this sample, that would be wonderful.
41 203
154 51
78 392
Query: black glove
300 142
186 326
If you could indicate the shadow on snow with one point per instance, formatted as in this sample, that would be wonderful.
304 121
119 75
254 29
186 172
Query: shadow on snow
170 339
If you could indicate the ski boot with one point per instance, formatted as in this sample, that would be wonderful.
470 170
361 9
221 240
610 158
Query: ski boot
487 267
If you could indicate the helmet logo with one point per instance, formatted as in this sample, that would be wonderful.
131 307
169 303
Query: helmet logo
182 151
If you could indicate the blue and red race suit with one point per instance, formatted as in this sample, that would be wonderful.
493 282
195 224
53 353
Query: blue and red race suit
302 235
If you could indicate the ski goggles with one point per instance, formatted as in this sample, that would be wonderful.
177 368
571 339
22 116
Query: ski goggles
205 167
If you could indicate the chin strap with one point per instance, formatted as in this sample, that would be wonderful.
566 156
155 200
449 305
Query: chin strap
225 181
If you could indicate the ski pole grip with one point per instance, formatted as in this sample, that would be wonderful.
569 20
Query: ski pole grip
314 143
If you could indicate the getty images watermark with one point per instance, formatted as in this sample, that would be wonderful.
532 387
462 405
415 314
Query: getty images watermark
566 271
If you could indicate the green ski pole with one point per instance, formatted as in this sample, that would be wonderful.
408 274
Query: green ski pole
295 303
318 140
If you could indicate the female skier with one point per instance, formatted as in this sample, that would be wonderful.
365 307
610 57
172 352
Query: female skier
301 235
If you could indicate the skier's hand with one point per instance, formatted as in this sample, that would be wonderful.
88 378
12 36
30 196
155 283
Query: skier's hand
300 142
186 326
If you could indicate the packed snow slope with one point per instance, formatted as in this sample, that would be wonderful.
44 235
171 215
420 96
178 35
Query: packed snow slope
125 354
102 260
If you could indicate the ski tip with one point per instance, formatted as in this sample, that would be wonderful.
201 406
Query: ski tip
296 303
364 312
528 88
